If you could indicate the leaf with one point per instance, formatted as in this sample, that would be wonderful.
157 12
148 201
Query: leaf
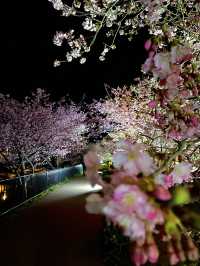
181 196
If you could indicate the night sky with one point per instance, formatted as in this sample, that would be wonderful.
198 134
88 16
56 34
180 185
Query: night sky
27 55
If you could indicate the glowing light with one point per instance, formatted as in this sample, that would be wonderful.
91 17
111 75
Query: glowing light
4 197
2 188
76 188
97 187
84 188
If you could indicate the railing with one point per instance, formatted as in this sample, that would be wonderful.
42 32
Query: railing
14 192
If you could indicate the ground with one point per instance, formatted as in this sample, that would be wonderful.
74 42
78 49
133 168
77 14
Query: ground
53 231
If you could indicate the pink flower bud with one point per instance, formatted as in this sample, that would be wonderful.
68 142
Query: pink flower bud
168 181
153 253
147 45
151 216
181 256
162 193
193 254
190 243
173 259
139 256
180 251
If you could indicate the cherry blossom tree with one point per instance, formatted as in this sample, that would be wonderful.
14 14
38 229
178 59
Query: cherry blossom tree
147 191
37 128
125 115
164 109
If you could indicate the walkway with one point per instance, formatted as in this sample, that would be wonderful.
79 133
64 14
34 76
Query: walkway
55 231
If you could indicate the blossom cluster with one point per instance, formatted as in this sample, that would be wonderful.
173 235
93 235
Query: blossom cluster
113 18
135 113
169 101
137 200
178 76
124 116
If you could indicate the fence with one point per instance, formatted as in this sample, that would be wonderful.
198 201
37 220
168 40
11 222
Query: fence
15 191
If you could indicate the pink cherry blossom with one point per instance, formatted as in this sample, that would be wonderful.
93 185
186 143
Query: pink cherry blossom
133 227
129 197
134 160
130 208
181 173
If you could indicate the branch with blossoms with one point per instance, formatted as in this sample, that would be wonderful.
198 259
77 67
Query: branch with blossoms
126 116
162 102
141 194
177 71
181 147
165 19
138 201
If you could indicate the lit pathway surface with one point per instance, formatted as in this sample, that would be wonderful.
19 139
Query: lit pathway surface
55 231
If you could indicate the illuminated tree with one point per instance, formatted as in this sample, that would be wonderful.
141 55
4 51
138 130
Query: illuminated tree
162 111
143 193
36 129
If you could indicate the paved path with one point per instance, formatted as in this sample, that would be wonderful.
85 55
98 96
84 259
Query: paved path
55 231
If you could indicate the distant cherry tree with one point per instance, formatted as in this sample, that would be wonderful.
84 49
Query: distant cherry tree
36 129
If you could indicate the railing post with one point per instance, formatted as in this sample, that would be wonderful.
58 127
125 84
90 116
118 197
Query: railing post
46 179
24 187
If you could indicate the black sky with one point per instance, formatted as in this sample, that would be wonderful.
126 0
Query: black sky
27 56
